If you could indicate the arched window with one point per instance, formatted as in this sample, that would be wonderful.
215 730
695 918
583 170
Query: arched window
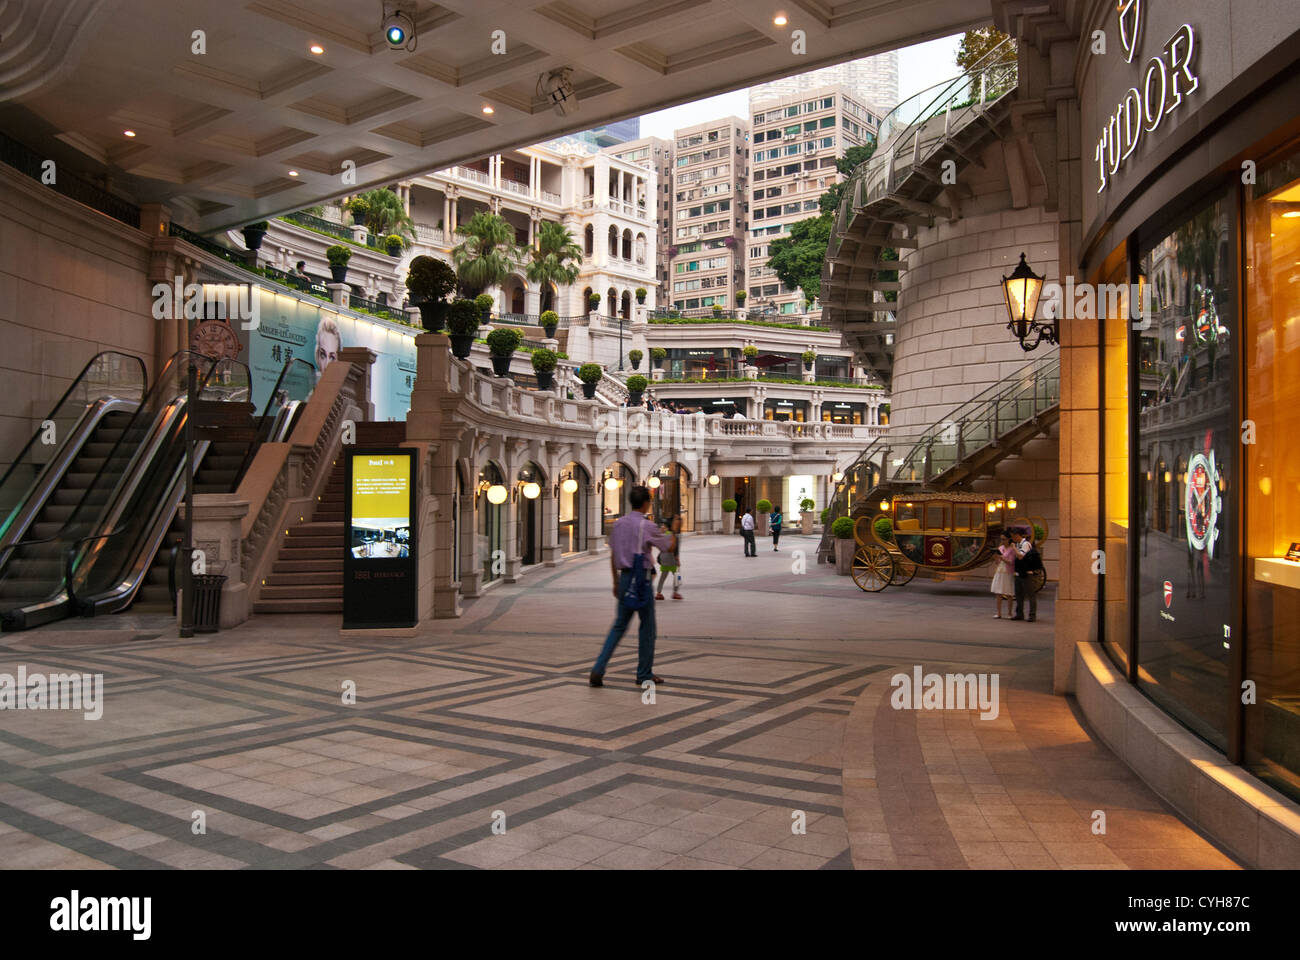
611 303
615 485
613 241
625 306
627 244
575 487
491 519
589 238
530 513
640 248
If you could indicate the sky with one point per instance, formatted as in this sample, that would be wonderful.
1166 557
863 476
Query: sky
916 71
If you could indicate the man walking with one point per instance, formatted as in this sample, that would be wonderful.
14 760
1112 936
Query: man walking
632 534
1027 560
747 532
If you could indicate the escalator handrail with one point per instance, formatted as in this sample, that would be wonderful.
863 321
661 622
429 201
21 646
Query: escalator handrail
144 381
263 433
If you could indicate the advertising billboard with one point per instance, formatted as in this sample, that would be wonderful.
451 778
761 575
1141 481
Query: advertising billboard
379 561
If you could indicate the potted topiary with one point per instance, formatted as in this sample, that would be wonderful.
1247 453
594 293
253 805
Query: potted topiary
751 353
884 527
805 516
253 234
763 508
502 344
544 366
634 358
842 529
589 374
657 357
640 294
674 314
550 320
741 297
636 385
463 321
717 310
338 256
393 243
825 516
593 302
485 305
729 516
808 357
429 280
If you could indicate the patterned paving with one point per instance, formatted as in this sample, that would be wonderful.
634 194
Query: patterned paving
776 701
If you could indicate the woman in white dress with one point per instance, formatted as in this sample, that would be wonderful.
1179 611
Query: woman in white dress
1004 580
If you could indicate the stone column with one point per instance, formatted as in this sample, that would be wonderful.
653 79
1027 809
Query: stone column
510 535
425 425
595 514
364 358
471 564
339 293
549 504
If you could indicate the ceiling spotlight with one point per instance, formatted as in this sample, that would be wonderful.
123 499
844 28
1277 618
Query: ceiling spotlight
293 173
557 87
317 49
399 26
128 133
780 20
487 108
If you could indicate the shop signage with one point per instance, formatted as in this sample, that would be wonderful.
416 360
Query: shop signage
1166 79
380 556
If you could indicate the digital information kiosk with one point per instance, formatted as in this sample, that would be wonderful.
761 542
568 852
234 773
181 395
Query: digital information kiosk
379 560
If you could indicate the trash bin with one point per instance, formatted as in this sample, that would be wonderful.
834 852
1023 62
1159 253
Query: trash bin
206 609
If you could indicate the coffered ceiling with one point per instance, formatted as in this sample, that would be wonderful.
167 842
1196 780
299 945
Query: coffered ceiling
217 133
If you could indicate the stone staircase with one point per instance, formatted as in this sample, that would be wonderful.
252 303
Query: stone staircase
307 573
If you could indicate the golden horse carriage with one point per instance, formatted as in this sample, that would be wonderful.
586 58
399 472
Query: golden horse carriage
944 532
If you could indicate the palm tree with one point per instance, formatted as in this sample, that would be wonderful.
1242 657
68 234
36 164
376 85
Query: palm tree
382 213
555 259
486 255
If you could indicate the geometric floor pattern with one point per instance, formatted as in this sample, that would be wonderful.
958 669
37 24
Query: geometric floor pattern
774 713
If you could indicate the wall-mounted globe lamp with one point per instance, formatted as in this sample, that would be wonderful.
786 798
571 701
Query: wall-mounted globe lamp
497 494
569 485
531 490
713 480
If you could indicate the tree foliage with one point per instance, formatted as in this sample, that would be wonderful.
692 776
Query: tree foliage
556 259
797 259
486 254
977 43
381 213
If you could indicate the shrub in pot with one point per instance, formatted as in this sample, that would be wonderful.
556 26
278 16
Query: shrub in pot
728 516
845 545
884 527
808 357
593 302
657 356
544 366
805 515
741 297
463 321
550 320
253 234
393 244
826 515
640 294
338 256
590 374
762 508
717 310
485 305
636 385
634 358
751 353
502 344
429 281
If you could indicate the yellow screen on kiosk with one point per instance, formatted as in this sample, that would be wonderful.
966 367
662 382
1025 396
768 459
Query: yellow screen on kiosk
381 503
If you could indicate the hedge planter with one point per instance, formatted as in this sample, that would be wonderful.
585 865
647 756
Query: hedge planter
462 326
549 329
546 380
339 274
338 256
589 391
806 522
253 234
550 322
501 365
844 550
634 358
394 249
433 314
462 344
729 523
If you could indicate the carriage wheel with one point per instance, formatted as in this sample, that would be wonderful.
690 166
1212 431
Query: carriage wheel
904 571
873 568
1037 580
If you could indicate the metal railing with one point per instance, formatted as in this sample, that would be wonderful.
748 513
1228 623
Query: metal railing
395 314
26 160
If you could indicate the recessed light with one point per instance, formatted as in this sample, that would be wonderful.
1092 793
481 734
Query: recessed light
293 173
487 108
1291 214
780 20
317 49
128 133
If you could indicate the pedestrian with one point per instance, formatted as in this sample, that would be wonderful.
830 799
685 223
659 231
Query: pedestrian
632 535
1004 580
670 561
1027 560
747 532
776 520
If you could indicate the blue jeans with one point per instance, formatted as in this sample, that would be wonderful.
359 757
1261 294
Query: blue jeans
645 634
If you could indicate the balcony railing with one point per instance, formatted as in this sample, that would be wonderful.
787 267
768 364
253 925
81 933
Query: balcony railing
514 186
552 198
430 235
357 302
473 176
71 186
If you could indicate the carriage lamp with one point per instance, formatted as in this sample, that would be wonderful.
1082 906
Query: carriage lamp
1021 290
1011 504
532 490
884 506
496 494
836 477
993 507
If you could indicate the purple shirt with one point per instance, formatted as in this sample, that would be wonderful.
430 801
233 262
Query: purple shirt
635 533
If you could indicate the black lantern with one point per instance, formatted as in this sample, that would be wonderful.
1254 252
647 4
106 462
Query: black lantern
1021 290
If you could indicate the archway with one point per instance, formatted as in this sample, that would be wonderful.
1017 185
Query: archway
627 244
616 483
673 495
491 520
549 296
589 241
613 241
575 485
625 306
611 302
531 479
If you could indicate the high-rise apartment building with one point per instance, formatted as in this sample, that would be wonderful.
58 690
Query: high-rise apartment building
873 80
654 153
706 239
796 140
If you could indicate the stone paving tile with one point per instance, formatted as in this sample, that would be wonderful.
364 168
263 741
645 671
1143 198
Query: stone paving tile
778 707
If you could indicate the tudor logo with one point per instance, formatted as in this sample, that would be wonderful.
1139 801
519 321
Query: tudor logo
1130 26
1169 594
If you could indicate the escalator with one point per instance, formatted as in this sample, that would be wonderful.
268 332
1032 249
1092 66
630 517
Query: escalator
94 496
